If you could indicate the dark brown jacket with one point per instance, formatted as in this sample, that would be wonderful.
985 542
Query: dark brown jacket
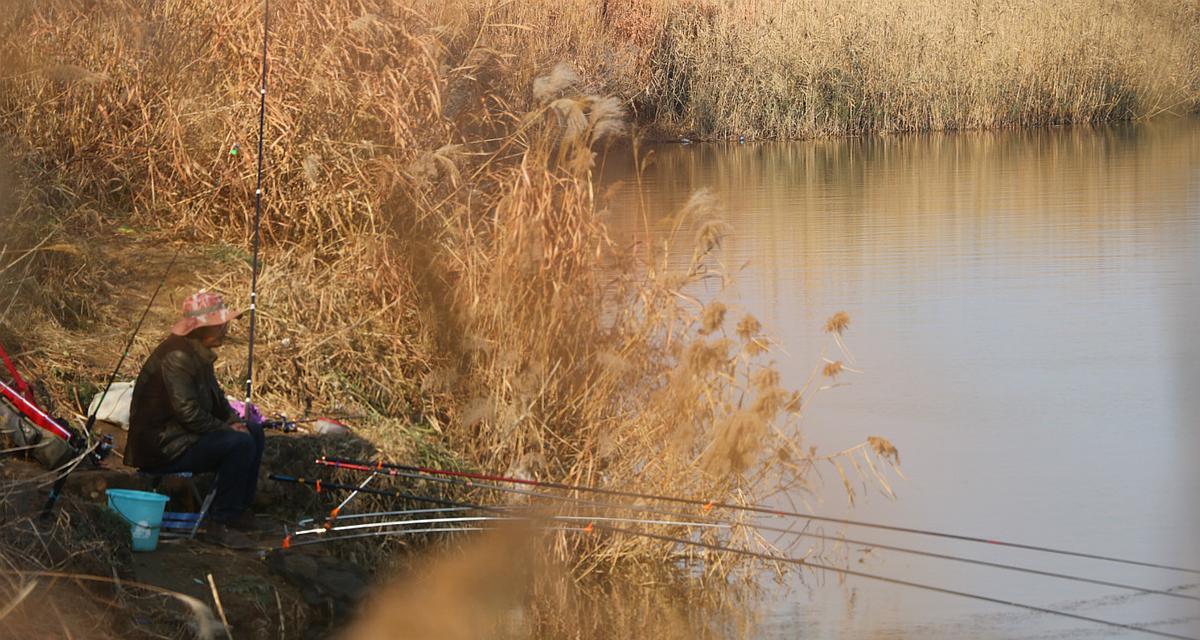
176 399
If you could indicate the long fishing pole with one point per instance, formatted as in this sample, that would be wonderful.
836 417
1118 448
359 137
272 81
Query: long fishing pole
91 419
258 195
802 562
338 509
761 527
405 532
506 518
321 485
56 490
386 514
710 505
393 473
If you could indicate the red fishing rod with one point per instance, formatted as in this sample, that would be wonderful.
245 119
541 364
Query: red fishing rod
34 413
20 395
708 505
593 527
18 381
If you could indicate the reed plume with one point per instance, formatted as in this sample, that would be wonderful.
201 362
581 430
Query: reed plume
434 253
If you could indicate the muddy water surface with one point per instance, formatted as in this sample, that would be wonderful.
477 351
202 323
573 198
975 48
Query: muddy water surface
1026 317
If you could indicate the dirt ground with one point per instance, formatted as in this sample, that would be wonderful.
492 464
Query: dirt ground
73 576
89 591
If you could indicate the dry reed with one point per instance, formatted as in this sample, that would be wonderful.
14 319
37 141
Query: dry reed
794 69
434 253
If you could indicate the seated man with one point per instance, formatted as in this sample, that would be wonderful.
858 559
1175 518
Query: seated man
180 420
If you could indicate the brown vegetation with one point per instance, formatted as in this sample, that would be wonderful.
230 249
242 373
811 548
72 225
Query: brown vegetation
517 592
794 69
434 253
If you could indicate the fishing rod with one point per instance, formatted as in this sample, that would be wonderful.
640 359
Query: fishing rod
589 519
320 485
258 193
20 395
766 527
388 514
328 416
281 422
289 544
459 482
593 527
395 473
381 525
112 377
18 382
333 514
35 413
106 444
709 505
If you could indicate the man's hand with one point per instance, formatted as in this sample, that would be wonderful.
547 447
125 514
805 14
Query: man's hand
239 426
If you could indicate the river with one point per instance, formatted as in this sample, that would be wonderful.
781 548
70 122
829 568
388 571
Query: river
1024 313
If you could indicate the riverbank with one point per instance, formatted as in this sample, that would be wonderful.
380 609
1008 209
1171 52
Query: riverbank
434 249
436 253
783 69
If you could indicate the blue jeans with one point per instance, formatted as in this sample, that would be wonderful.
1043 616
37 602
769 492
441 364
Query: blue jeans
235 456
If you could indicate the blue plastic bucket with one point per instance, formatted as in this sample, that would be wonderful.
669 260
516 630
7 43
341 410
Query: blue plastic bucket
143 511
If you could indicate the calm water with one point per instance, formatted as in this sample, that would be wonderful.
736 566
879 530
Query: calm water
1024 313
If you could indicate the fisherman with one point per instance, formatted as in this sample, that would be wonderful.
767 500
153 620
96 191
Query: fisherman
180 419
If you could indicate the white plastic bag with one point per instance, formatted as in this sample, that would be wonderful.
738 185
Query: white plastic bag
116 404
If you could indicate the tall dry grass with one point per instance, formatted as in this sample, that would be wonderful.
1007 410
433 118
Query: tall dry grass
517 592
798 69
434 245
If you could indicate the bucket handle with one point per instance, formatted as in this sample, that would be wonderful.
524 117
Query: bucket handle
130 521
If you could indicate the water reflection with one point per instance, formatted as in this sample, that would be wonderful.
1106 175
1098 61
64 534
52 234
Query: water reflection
1025 310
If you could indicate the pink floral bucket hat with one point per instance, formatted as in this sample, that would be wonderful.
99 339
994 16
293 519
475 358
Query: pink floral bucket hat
203 309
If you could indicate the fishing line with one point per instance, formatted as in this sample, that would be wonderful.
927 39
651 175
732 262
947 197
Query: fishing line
709 505
56 490
860 574
258 193
521 492
775 529
593 527
320 485
91 419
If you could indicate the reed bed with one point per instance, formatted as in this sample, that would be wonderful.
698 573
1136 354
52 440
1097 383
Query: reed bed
435 253
800 69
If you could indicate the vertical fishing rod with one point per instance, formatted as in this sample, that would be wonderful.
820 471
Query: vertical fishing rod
258 194
56 490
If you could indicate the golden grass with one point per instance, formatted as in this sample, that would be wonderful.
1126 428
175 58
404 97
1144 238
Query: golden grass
798 69
433 248
516 592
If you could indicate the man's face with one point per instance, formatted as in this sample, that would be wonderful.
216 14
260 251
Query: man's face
215 337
